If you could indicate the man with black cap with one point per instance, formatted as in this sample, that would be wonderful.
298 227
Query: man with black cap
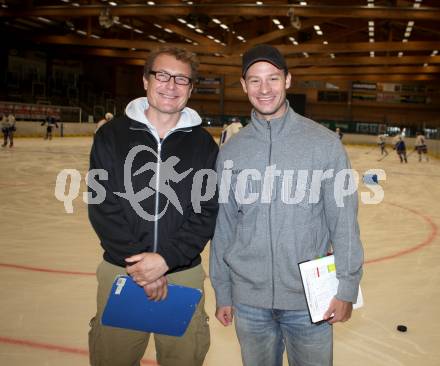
282 202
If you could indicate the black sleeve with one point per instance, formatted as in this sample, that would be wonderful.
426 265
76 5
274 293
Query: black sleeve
189 241
108 218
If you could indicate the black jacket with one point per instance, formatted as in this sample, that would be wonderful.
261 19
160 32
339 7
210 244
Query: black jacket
180 238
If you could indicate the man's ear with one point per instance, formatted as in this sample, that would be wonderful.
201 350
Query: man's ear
288 80
243 84
145 81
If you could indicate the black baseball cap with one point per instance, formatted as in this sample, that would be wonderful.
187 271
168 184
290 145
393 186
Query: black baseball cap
263 52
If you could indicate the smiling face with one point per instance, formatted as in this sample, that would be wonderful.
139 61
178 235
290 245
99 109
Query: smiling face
167 97
266 87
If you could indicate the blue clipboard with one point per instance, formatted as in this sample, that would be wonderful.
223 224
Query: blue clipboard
128 307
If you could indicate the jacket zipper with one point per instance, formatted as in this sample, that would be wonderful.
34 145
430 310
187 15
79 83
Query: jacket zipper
157 185
270 219
156 197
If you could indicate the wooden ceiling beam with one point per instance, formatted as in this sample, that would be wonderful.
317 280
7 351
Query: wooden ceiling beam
123 43
362 60
291 62
354 47
224 9
371 77
366 70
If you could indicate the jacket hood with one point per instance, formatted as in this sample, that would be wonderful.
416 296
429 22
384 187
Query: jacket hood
135 110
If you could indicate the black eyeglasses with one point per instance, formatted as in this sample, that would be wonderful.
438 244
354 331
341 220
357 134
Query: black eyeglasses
165 77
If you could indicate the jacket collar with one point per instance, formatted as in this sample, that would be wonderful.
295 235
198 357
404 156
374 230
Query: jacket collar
281 126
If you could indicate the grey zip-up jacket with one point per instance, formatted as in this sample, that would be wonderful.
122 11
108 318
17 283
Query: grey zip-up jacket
263 232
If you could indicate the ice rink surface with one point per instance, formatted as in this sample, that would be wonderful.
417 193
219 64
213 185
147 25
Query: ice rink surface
48 258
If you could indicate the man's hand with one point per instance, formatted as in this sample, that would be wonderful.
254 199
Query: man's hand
145 268
157 290
225 314
341 311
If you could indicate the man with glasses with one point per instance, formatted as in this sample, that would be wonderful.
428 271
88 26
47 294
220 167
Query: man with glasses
155 237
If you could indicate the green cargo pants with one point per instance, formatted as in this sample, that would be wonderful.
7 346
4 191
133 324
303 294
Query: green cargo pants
110 346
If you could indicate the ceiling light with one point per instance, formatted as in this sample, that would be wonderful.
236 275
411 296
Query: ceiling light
404 40
324 42
305 54
407 34
280 26
224 26
157 25
217 40
332 55
319 33
77 5
188 40
425 65
215 20
198 30
400 54
81 32
209 36
112 3
162 41
276 21
126 26
195 44
44 20
303 3
371 40
292 39
371 34
152 37
181 20
411 23
295 43
371 23
240 38
316 27
434 52
151 2
94 36
138 31
371 53
416 5
259 3
189 25
371 29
